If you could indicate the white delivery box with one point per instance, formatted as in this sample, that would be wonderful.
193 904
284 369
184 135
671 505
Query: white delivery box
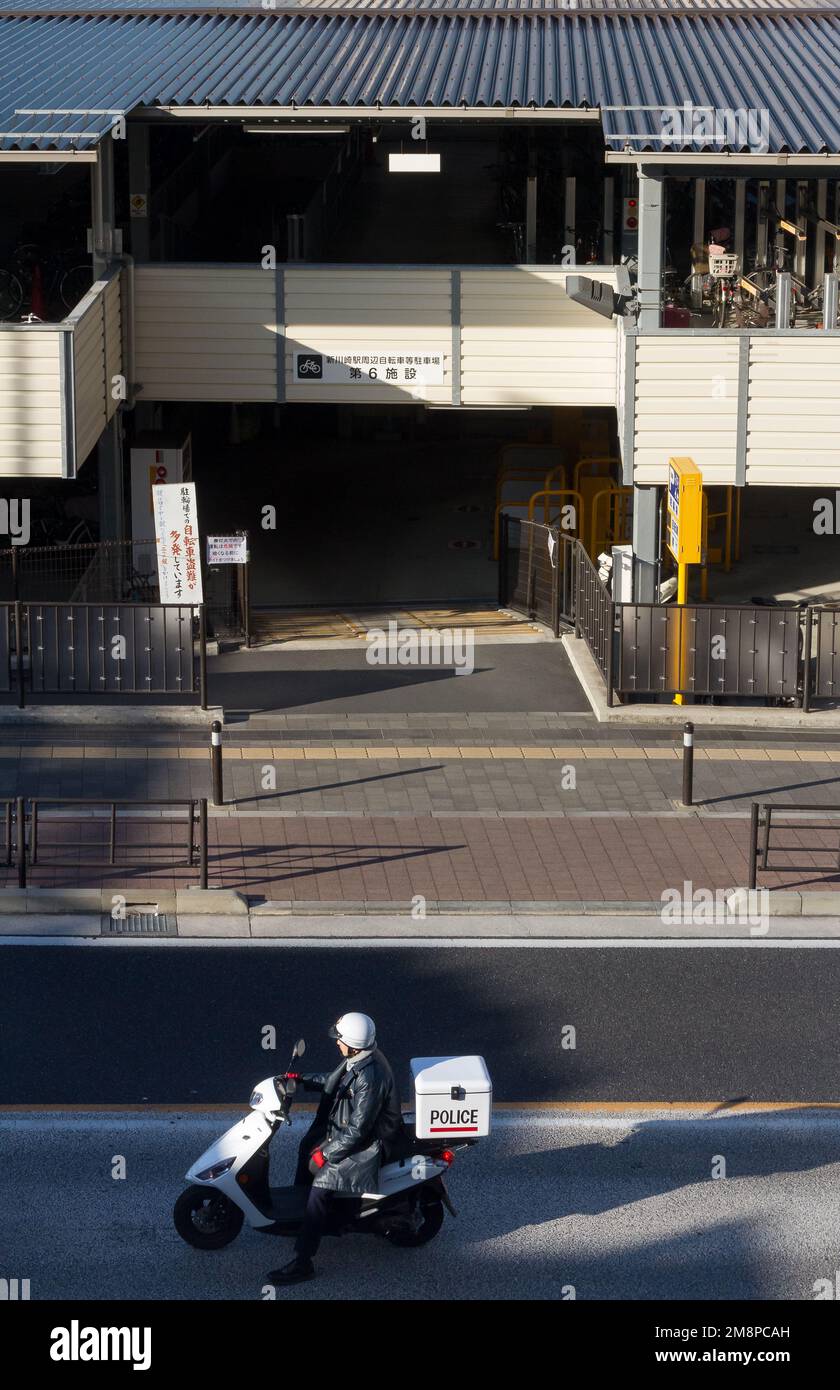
453 1097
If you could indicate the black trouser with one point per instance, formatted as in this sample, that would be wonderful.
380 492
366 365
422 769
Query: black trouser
315 1220
321 1207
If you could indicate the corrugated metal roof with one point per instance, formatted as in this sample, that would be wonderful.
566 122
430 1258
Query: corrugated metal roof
578 7
73 70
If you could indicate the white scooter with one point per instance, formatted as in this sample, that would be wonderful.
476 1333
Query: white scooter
230 1183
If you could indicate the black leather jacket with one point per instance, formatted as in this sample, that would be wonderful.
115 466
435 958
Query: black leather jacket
362 1114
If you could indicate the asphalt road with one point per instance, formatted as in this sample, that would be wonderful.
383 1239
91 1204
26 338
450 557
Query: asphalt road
127 1024
547 1209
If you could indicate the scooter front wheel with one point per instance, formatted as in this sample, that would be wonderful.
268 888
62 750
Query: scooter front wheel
206 1219
431 1219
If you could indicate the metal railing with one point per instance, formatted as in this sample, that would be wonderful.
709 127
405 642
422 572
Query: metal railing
96 649
709 650
776 653
821 657
119 572
594 615
536 571
36 835
764 817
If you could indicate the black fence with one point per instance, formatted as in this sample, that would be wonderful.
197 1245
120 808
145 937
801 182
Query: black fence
822 838
103 649
709 650
39 833
774 653
536 571
594 614
821 673
120 572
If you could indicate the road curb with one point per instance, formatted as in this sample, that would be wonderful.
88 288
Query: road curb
730 716
120 716
230 918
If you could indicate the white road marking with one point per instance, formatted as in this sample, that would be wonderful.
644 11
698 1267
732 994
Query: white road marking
425 943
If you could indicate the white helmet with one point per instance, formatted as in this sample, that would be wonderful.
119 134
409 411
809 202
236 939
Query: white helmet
356 1030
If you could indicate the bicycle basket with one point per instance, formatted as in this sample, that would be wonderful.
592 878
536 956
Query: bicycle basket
724 265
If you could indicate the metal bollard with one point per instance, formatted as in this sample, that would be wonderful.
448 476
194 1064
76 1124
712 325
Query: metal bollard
203 852
216 762
688 765
20 829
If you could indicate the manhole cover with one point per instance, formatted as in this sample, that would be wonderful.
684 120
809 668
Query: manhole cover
139 924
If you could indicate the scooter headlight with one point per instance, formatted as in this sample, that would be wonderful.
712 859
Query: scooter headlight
256 1098
210 1174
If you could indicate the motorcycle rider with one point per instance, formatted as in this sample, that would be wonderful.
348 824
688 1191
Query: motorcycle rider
358 1118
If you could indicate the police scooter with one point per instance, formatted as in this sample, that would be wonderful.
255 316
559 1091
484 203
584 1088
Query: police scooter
229 1184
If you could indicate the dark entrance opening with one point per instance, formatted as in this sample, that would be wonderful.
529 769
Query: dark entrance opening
373 506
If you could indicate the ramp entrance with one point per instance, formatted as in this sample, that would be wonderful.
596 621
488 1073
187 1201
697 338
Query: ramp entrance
375 507
335 627
365 506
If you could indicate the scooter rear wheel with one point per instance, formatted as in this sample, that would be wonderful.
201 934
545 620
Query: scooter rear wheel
431 1219
205 1219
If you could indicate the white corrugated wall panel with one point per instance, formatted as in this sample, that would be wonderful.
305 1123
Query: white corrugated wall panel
89 379
30 403
376 311
113 342
525 342
205 333
686 405
793 417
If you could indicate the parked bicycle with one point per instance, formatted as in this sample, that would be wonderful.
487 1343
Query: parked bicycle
517 232
140 588
64 280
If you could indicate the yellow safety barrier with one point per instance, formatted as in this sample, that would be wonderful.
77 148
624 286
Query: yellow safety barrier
508 475
560 492
615 530
600 467
551 475
727 516
555 476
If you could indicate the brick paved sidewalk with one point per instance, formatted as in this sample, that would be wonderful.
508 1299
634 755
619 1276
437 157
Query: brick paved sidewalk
392 859
439 781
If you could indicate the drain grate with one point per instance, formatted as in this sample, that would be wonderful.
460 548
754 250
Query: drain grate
139 924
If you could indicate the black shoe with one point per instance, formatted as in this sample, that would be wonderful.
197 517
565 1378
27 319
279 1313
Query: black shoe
295 1272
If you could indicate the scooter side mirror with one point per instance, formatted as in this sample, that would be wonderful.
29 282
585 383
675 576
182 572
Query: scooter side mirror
300 1048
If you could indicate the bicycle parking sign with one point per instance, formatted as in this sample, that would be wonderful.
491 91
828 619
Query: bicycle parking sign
372 366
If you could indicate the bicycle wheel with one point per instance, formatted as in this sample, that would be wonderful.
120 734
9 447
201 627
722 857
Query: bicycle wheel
75 284
11 295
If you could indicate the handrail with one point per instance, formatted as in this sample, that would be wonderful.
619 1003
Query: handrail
599 459
26 846
558 492
514 473
615 490
761 813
